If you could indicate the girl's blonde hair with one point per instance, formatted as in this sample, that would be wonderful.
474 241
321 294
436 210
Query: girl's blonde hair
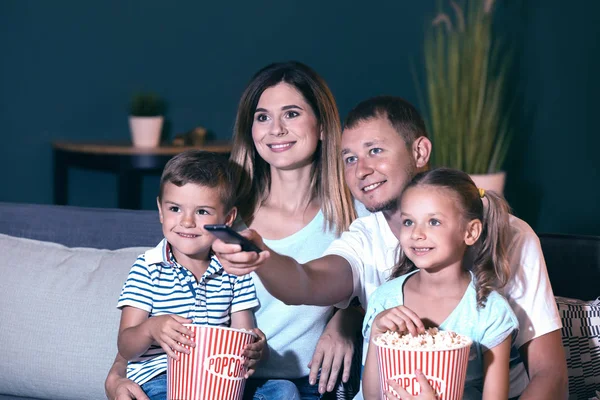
327 178
488 258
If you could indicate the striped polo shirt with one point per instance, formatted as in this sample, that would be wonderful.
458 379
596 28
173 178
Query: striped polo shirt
159 285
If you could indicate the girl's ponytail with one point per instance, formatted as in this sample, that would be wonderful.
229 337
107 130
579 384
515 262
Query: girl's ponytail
491 264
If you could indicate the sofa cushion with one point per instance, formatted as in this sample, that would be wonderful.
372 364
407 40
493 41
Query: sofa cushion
59 317
101 228
581 340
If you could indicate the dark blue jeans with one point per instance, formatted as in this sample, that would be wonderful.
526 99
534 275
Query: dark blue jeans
255 389
156 388
280 389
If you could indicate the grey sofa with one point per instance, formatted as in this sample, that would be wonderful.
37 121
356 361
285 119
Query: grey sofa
63 267
61 274
60 277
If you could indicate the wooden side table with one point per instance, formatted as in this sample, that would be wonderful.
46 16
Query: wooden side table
128 162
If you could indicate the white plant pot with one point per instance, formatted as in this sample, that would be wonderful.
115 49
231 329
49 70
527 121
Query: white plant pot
493 182
145 131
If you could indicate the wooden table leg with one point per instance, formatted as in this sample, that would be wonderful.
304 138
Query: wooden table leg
130 190
61 178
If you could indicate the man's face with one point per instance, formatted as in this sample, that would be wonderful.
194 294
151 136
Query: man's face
377 164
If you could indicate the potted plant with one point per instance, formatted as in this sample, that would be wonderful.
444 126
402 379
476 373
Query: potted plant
146 119
464 104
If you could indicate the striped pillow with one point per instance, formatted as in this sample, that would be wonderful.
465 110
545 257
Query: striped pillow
581 340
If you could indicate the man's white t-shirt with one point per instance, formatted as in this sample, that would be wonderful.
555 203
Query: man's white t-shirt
371 249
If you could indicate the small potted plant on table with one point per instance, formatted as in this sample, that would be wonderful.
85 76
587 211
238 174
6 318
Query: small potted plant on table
146 119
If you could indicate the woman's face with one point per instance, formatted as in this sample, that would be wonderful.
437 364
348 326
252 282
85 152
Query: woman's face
285 129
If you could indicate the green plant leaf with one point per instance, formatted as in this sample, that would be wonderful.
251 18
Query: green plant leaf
463 103
146 105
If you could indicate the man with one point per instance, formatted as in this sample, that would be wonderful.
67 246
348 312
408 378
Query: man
384 144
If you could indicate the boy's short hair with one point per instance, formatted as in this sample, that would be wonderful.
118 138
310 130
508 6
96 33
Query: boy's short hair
402 116
202 168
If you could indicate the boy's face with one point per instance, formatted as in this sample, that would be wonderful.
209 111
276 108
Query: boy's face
184 210
377 164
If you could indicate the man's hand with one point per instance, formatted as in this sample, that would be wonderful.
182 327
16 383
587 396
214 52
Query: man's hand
335 349
255 352
168 331
427 392
332 352
397 319
238 262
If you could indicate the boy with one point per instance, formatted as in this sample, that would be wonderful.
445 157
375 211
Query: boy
180 281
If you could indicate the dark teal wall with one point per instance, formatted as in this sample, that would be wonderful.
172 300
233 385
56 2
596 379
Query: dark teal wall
68 68
554 162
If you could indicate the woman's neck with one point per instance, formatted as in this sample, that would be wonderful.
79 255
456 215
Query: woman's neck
289 207
290 191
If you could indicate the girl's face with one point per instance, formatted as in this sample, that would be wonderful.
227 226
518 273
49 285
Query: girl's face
285 129
434 234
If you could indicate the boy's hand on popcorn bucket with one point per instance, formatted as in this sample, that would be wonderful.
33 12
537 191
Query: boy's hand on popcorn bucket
254 352
427 392
397 319
238 262
170 334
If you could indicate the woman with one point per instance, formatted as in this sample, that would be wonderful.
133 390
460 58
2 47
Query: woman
286 142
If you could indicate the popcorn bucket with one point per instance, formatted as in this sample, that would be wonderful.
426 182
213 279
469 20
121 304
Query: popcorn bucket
214 369
445 370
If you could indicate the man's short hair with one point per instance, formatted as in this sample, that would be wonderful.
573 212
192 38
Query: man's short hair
201 168
402 116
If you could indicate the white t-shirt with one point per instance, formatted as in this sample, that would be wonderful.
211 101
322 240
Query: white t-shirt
371 248
292 331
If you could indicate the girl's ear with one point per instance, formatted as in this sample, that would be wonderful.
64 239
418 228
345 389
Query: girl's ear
473 232
160 216
231 217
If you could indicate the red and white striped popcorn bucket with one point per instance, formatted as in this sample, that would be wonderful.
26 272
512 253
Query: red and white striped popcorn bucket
445 370
214 369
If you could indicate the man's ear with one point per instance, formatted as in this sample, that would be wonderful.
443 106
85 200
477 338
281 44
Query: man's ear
160 216
474 228
421 150
231 217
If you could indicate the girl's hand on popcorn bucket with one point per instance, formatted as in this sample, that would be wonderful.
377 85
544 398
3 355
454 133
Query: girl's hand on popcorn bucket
427 392
398 319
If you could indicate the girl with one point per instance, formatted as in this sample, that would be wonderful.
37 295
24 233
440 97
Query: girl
452 261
